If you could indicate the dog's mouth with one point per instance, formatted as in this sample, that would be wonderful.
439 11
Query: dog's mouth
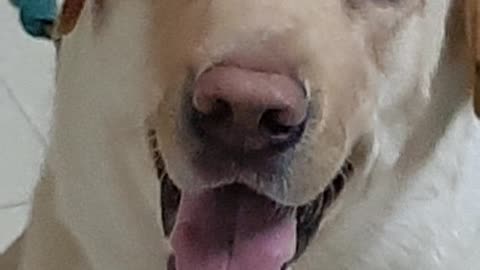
235 227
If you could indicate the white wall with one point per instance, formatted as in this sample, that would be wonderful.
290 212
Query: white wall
26 88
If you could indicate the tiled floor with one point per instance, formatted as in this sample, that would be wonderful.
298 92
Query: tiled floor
26 88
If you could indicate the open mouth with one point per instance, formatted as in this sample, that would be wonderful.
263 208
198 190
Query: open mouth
235 227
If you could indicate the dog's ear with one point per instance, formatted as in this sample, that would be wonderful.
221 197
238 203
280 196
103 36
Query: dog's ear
472 25
68 17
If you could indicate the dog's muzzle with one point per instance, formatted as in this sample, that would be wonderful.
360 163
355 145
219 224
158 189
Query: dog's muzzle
234 224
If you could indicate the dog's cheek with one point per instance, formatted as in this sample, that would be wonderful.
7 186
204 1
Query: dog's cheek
341 109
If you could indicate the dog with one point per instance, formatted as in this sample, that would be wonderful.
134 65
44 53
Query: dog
241 135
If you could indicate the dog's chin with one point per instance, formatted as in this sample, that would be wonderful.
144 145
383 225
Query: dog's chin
239 221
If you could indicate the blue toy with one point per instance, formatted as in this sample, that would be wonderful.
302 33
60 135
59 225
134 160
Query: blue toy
37 16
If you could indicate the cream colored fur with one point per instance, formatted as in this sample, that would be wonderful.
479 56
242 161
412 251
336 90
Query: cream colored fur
414 205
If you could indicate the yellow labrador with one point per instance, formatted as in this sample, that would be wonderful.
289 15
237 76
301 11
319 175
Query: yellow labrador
262 134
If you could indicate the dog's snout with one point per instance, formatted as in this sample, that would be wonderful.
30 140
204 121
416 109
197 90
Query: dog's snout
247 109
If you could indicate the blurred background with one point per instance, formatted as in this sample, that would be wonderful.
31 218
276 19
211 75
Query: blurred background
26 90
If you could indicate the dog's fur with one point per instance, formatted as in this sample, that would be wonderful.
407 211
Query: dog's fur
389 79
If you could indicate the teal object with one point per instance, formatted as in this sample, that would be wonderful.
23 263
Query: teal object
37 16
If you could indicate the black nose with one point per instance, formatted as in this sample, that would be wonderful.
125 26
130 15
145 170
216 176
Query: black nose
246 111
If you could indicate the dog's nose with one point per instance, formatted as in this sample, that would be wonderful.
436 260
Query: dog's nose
247 110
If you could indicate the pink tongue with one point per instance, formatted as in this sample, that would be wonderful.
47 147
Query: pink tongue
231 229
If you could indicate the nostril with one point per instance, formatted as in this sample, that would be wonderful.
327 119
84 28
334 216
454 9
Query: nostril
281 135
220 114
221 111
271 123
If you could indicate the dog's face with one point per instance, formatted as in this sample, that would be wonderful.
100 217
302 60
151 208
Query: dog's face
263 111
